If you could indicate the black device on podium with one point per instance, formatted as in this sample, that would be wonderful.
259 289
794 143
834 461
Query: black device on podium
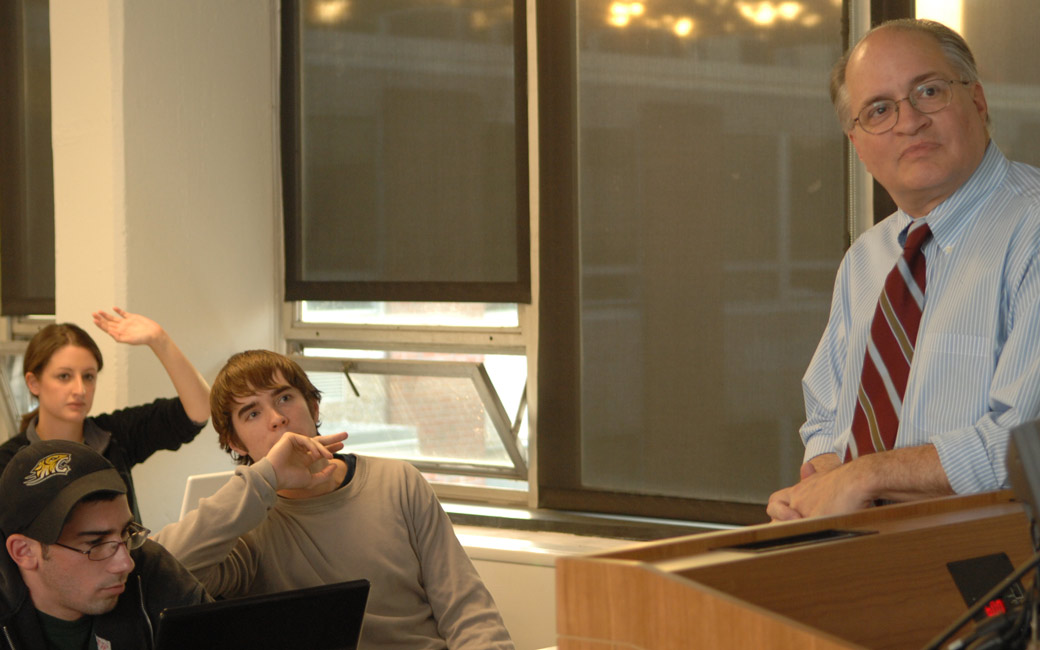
1005 615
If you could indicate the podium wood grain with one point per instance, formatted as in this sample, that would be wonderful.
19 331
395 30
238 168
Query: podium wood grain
886 589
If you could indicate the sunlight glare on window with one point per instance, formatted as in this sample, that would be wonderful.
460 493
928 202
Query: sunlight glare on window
947 12
420 314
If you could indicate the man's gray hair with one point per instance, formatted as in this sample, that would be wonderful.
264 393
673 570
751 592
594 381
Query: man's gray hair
956 50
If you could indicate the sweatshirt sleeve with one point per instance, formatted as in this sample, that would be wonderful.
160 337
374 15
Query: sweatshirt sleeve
467 617
210 540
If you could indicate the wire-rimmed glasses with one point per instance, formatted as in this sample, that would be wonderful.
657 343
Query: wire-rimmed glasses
927 97
134 536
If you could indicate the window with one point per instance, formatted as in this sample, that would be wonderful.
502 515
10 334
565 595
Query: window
694 171
404 150
26 196
26 169
442 385
443 415
407 227
15 398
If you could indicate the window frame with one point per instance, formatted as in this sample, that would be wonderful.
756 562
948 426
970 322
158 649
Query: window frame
300 335
507 428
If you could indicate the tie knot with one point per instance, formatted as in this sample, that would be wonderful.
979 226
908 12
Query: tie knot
916 237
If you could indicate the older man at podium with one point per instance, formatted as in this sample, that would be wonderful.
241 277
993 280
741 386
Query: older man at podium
932 350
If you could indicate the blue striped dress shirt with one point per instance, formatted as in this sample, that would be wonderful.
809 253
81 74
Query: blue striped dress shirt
976 368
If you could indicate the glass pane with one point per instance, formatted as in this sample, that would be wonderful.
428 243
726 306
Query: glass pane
13 374
23 399
421 418
424 314
408 141
711 227
508 372
1002 42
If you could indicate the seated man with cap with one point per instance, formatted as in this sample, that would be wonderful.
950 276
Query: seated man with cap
79 573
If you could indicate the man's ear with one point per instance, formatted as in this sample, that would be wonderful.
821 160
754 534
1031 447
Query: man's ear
314 410
978 97
852 138
236 446
26 552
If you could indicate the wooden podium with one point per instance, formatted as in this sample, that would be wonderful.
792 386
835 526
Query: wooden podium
872 579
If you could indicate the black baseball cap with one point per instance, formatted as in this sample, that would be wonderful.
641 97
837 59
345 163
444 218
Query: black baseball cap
44 482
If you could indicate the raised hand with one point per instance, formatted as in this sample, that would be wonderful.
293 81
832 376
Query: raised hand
135 329
125 327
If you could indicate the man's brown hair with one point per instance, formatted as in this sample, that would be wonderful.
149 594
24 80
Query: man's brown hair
246 374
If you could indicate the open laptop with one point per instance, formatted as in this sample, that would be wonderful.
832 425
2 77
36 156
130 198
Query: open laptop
328 617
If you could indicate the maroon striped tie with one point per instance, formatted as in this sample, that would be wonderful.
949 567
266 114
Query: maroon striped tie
890 350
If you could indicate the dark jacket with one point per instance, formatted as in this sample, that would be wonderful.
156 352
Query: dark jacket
133 435
158 581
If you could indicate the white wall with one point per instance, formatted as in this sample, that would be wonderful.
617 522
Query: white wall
166 194
519 569
526 598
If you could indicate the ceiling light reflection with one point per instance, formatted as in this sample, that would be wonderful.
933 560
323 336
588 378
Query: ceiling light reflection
760 13
790 10
479 20
621 13
811 20
683 27
765 13
330 11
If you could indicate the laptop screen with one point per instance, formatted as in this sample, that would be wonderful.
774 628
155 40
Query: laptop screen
328 617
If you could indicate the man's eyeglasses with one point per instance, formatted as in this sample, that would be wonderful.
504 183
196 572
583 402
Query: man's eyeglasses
929 97
134 536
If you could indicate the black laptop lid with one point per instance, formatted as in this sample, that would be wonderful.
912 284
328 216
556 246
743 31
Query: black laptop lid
328 617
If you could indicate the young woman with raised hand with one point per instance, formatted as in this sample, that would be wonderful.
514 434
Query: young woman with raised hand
61 366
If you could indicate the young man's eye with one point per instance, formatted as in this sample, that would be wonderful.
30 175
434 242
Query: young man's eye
285 397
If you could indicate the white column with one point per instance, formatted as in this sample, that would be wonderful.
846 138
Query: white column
166 193
89 194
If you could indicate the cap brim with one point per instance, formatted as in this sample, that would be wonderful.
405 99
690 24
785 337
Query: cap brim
46 527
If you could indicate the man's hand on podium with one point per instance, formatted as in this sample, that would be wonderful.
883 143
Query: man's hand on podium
830 487
826 487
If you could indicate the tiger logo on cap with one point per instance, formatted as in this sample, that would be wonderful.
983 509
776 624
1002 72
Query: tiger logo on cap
48 467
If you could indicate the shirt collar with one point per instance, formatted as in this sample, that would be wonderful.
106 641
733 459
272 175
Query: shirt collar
93 436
